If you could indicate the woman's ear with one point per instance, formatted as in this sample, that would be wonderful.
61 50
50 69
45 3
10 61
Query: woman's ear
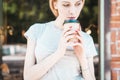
83 3
55 5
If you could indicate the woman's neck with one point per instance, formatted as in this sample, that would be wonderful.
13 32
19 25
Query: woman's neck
59 23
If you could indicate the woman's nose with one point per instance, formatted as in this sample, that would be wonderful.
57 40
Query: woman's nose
72 10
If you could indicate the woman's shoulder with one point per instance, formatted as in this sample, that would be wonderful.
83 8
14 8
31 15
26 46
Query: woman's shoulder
86 36
39 26
35 30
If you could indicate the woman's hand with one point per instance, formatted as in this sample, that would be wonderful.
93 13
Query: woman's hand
74 38
66 40
67 34
79 45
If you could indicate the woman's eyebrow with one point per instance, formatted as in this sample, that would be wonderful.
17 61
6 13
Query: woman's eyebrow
69 2
65 2
79 1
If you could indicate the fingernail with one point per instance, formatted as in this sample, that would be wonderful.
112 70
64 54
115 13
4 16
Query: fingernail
70 27
76 30
75 42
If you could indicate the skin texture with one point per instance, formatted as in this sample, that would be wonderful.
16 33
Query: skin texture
66 9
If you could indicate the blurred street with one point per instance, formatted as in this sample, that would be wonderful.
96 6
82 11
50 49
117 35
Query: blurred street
13 56
15 67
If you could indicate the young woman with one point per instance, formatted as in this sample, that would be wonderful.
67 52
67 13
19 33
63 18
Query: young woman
48 56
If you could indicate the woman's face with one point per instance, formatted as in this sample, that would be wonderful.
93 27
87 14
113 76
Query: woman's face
69 9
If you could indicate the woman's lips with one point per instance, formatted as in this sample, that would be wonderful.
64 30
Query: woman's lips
71 17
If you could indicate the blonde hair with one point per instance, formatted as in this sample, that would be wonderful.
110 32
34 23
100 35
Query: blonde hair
51 4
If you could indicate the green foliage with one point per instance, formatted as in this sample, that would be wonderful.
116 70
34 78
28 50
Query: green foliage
23 13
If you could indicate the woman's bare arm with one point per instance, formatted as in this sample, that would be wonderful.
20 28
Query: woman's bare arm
87 67
34 71
91 67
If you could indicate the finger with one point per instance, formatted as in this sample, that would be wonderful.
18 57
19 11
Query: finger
67 29
73 44
70 43
80 39
79 32
77 44
70 28
71 32
70 37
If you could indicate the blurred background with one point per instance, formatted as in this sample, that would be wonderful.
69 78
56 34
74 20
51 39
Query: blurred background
16 16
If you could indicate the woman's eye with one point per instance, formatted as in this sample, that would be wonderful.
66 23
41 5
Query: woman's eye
66 5
77 4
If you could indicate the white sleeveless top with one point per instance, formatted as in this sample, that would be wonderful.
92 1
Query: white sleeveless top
47 37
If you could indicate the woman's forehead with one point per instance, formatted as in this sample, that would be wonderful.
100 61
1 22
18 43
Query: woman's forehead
69 0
